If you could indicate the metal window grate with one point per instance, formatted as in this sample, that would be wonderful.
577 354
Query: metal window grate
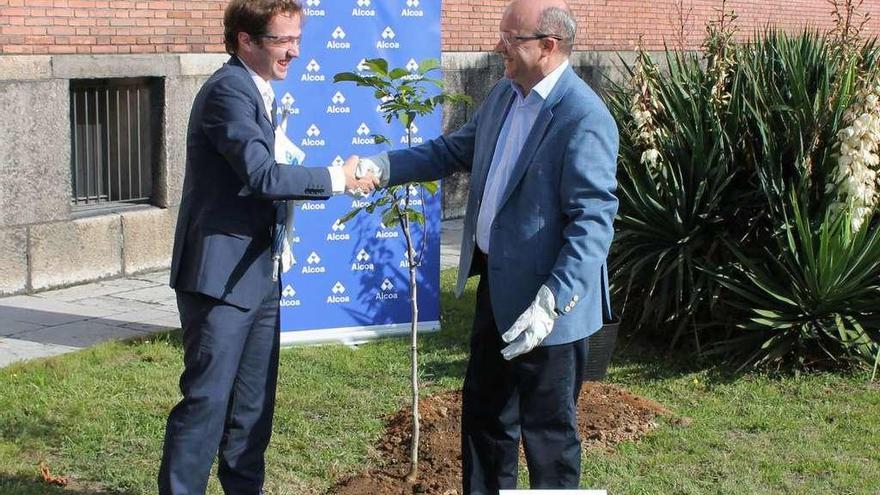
113 134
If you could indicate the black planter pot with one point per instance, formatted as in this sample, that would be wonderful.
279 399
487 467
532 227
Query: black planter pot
600 346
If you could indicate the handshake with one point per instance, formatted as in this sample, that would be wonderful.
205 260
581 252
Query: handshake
362 176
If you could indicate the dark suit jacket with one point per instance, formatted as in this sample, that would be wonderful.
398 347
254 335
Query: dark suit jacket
555 216
223 238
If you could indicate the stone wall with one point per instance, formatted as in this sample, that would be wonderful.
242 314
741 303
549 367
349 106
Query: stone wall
44 241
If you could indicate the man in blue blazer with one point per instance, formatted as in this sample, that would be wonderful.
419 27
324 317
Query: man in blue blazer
542 153
222 266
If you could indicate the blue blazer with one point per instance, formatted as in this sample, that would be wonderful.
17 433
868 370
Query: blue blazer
222 244
554 223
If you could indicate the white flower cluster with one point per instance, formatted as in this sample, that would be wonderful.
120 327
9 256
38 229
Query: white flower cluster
858 163
644 108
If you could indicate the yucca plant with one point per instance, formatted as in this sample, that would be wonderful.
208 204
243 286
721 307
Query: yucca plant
811 298
672 216
736 206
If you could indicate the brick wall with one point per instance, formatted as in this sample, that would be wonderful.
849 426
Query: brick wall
195 26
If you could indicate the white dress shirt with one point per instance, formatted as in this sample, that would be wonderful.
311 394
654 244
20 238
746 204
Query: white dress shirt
517 126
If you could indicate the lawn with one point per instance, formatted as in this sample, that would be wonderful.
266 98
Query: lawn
99 415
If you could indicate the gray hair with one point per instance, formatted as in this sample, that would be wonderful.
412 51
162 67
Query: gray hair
560 22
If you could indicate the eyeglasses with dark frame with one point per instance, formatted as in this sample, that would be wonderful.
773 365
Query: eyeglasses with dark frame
509 39
275 40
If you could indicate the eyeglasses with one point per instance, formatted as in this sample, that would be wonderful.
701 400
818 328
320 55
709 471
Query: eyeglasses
509 39
287 41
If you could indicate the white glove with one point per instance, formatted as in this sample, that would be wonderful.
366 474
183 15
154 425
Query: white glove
532 327
377 164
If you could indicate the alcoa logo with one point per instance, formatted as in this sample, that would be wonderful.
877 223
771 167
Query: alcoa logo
413 193
336 43
288 295
361 262
412 66
313 206
386 233
338 104
338 294
363 255
412 9
313 264
386 42
338 161
312 138
385 294
363 136
383 100
413 137
404 263
287 102
363 9
312 72
312 9
338 234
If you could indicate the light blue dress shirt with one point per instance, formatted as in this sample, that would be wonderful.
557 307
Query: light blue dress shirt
517 126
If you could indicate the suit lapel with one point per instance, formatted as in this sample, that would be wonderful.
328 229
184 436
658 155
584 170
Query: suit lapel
255 93
536 135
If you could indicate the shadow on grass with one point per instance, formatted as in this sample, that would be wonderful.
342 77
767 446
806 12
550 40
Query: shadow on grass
636 359
18 485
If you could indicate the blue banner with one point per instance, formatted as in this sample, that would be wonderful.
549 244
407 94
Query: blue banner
351 280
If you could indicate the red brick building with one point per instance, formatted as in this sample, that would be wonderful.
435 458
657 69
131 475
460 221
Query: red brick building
195 26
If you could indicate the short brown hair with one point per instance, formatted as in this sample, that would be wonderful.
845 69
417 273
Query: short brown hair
252 17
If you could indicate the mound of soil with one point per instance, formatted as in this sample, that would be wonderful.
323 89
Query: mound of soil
607 415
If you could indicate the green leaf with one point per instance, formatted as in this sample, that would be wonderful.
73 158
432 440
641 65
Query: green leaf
398 73
427 65
347 76
378 66
348 216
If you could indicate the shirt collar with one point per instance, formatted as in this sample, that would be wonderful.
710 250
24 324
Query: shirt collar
546 85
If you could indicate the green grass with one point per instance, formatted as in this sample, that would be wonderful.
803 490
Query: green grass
99 415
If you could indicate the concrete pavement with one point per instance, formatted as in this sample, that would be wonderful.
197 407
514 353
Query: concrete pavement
65 320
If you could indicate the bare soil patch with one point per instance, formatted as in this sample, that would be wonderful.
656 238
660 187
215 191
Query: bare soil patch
607 415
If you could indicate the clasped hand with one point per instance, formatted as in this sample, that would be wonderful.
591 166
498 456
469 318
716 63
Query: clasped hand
358 181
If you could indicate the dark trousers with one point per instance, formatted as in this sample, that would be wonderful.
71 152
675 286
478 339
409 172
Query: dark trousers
228 384
533 396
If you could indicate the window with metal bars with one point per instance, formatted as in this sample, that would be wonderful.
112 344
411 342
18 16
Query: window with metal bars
115 128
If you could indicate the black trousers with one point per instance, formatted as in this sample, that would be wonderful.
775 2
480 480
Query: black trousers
228 384
532 397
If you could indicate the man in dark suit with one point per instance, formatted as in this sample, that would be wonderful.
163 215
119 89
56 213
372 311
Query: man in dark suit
223 268
542 153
